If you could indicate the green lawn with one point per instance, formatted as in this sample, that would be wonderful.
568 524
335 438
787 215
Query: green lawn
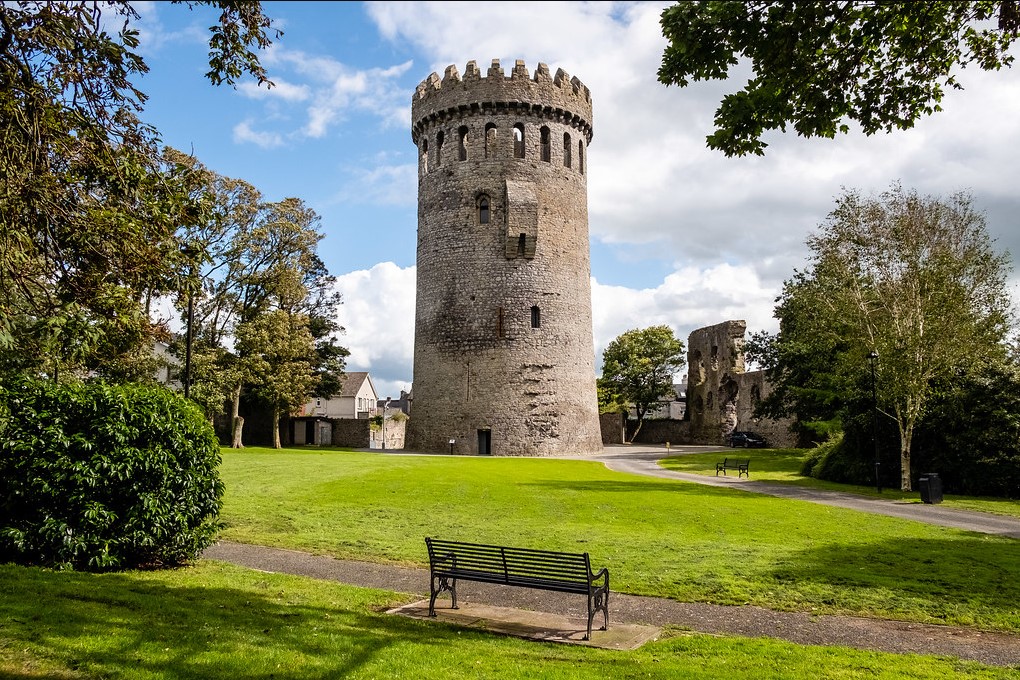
218 622
659 537
782 466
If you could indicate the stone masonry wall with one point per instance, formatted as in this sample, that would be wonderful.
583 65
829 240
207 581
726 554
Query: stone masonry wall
504 354
721 396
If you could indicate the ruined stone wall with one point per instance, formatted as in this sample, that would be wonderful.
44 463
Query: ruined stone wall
721 395
752 388
503 355
715 357
395 433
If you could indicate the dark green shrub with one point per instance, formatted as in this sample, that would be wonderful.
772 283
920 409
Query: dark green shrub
815 458
101 477
971 435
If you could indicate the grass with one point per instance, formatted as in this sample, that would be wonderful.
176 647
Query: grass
214 621
782 466
658 537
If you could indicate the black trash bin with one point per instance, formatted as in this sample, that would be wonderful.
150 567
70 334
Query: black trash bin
931 487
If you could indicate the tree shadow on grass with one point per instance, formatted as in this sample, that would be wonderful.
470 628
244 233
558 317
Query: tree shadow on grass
944 578
134 624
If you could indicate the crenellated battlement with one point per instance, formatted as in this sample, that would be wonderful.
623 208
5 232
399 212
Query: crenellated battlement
555 96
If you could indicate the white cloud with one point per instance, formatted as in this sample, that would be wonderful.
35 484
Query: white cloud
687 299
243 132
378 313
281 89
333 91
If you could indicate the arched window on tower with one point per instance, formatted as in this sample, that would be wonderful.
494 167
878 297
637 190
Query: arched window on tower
566 149
580 156
462 142
439 148
546 145
424 155
519 140
483 209
490 140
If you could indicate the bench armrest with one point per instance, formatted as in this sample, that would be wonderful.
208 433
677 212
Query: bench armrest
602 574
444 560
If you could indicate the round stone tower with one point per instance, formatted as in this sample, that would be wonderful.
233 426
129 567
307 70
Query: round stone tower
503 350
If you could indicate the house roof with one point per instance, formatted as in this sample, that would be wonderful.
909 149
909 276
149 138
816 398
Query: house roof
353 382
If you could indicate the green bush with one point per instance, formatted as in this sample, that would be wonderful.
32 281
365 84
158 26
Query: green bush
99 477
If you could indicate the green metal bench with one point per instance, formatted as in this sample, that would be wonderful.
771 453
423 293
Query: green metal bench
450 561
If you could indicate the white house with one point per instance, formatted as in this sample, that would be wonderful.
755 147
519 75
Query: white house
357 399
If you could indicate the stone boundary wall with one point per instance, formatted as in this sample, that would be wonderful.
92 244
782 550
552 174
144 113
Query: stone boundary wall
351 433
613 428
661 431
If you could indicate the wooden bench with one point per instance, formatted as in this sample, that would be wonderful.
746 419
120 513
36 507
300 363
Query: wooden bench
450 561
739 465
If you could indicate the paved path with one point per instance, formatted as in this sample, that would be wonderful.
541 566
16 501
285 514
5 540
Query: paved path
643 460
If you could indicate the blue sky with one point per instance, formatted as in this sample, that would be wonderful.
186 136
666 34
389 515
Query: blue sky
679 234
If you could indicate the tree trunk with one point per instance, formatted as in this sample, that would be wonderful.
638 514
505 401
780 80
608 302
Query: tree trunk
905 437
236 421
640 422
276 428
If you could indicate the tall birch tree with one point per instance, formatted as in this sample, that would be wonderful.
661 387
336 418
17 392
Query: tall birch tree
915 279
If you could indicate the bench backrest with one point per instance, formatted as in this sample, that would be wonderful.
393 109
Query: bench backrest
515 564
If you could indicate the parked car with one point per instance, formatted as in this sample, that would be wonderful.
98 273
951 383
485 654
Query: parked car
746 440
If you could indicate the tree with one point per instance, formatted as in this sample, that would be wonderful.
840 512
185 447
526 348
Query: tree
819 64
638 368
267 317
88 209
913 278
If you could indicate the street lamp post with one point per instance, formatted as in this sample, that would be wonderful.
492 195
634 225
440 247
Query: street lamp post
872 358
190 251
187 349
385 406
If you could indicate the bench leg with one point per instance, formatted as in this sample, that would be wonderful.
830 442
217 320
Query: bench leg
438 585
598 601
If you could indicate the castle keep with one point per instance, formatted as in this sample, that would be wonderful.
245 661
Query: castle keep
503 350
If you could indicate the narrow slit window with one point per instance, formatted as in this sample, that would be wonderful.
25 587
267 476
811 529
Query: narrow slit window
462 139
424 155
519 140
580 156
536 317
490 140
566 150
522 242
500 330
439 148
483 210
546 150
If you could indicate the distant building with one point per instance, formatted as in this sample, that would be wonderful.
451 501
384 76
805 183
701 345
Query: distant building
357 399
402 404
170 371
673 407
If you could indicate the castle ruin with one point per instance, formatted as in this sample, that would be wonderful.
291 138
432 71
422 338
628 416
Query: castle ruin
503 349
721 394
